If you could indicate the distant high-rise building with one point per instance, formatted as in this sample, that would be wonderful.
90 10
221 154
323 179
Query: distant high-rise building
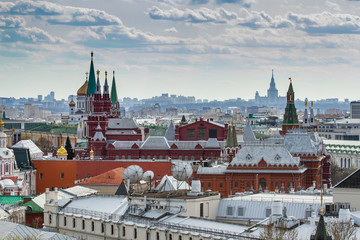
40 97
355 110
272 97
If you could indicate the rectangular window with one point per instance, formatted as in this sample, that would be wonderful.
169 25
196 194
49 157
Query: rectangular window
112 229
209 185
213 133
83 224
64 221
268 212
50 220
102 227
221 185
124 232
190 134
240 211
135 233
74 222
40 175
92 226
236 184
62 175
229 210
202 133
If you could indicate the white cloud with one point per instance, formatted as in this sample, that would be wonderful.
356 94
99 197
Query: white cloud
171 30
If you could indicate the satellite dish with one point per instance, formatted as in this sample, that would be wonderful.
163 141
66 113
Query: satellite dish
182 171
148 176
133 173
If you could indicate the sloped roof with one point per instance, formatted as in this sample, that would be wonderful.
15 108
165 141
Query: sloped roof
212 143
35 152
301 142
170 132
351 181
9 230
249 135
274 154
155 142
113 177
121 191
169 183
126 144
122 123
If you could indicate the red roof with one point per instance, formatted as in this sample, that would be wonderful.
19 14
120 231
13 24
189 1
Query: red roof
109 178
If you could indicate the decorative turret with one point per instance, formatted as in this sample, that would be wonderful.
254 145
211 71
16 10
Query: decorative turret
183 120
98 105
306 116
98 86
290 120
72 106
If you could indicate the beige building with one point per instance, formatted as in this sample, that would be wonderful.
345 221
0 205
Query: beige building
150 216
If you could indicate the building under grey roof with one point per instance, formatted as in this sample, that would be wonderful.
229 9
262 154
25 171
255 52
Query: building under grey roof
302 142
122 123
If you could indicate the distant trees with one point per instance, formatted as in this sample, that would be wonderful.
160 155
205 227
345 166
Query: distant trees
338 174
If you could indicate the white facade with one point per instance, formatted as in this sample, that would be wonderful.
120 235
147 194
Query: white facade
345 154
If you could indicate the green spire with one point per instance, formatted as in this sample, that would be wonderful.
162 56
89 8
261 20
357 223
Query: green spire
92 85
113 97
183 119
229 138
234 141
290 116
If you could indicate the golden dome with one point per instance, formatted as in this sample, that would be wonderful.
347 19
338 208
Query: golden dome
91 152
72 103
83 89
1 122
62 151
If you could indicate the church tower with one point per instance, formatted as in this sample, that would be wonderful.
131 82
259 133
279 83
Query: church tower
91 89
272 91
290 120
97 97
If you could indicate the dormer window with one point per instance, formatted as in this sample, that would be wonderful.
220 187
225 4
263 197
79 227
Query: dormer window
248 157
277 158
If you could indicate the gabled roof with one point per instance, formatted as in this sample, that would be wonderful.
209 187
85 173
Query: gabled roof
169 183
212 143
274 154
351 181
155 142
113 177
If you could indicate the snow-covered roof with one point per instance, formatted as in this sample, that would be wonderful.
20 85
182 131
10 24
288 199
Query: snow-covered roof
218 169
7 183
8 230
122 123
212 143
301 142
275 154
255 206
169 183
170 132
35 152
249 135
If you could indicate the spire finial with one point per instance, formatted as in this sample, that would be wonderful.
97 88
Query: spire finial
322 209
105 75
312 104
87 75
98 72
114 73
290 80
305 104
272 72
92 55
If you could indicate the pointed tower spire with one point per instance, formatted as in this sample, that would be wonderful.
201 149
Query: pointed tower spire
106 86
312 117
113 96
98 86
290 120
306 115
92 85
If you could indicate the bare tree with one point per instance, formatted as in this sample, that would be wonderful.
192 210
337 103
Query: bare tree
340 230
273 232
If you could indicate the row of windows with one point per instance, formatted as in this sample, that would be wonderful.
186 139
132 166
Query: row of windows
83 225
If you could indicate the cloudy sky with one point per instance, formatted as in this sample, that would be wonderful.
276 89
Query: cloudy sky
213 49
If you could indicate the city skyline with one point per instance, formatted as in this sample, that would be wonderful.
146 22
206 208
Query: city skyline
210 49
